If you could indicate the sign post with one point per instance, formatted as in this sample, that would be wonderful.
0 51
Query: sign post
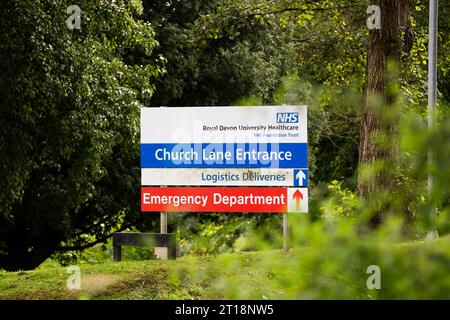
163 222
224 159
162 252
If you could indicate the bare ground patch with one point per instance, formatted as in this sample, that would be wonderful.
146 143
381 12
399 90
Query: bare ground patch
95 284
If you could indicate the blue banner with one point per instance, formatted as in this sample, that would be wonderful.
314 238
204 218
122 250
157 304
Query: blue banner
224 155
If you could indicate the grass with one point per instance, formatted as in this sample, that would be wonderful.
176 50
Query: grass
184 278
269 274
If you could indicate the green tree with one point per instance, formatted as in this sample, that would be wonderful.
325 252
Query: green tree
213 62
69 124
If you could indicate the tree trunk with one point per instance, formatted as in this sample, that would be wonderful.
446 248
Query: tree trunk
378 142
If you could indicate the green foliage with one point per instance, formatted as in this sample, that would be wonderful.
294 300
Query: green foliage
333 266
210 234
341 203
69 123
329 259
205 68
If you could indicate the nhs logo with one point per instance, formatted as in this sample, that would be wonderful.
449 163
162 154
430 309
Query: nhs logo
287 117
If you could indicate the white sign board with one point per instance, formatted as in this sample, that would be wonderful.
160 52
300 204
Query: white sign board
254 146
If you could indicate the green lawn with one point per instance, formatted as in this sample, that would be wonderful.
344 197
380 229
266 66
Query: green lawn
412 270
184 278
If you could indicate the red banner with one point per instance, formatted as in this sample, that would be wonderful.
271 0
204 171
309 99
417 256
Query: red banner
210 199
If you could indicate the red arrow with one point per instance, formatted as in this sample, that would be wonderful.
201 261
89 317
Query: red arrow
297 196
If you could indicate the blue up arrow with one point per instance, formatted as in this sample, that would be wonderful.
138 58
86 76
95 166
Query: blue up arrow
301 177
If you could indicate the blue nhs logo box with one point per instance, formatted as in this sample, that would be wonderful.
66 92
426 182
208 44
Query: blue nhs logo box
287 117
